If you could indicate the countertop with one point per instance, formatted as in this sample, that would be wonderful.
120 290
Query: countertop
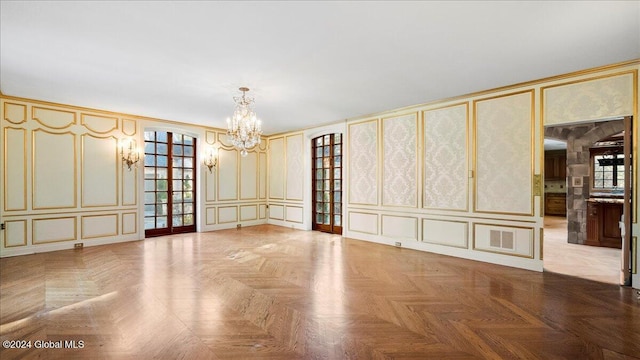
606 200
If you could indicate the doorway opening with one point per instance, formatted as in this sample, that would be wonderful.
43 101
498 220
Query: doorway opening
169 183
591 239
327 183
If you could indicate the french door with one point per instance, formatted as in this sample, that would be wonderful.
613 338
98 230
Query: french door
169 183
327 183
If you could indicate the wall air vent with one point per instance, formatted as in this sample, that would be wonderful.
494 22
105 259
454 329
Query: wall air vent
501 239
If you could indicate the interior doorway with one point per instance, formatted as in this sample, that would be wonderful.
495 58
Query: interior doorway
169 183
327 183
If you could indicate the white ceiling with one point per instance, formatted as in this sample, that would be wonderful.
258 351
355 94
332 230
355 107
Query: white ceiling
307 63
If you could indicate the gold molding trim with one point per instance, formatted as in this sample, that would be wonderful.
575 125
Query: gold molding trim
467 155
6 117
24 240
33 229
82 171
34 117
34 173
466 238
531 242
24 169
135 223
82 235
86 125
531 93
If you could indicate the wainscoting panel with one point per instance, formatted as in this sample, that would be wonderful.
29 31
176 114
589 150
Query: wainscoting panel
399 144
15 233
295 167
400 227
294 214
227 174
227 214
276 168
446 184
276 212
366 223
248 212
15 169
94 226
507 240
54 230
449 233
262 157
210 216
249 176
99 171
263 211
504 154
129 223
54 172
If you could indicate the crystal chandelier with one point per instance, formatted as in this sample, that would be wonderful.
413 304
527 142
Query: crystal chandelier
244 128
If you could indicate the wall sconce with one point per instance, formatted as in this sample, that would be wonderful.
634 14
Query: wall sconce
211 158
129 153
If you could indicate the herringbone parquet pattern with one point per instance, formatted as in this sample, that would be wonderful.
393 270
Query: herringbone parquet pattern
271 292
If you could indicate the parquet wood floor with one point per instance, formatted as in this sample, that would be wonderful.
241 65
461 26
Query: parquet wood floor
276 293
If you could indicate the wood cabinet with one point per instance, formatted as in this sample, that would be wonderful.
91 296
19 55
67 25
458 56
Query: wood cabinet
555 165
555 204
603 224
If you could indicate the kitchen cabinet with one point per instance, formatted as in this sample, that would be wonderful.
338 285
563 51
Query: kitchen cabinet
555 204
603 222
555 165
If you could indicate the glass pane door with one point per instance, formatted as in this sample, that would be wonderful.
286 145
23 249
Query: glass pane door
169 183
327 183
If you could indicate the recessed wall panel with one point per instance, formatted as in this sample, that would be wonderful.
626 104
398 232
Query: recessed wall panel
15 233
54 230
99 124
399 137
363 163
227 174
504 154
262 211
276 168
129 186
295 167
99 171
400 227
363 222
15 169
129 223
445 158
508 240
294 214
227 214
276 212
94 226
54 119
263 175
449 233
249 176
129 127
54 170
248 212
15 113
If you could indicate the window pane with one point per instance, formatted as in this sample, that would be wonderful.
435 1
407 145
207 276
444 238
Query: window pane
177 138
177 150
326 208
337 149
327 139
327 185
187 196
319 207
319 184
608 183
162 197
161 209
149 160
149 222
161 221
319 195
337 220
177 209
337 208
177 185
163 173
188 208
188 219
337 138
337 161
188 151
327 173
149 173
149 147
318 163
327 150
319 219
188 162
162 185
336 173
177 162
161 136
337 196
319 141
149 185
163 149
177 196
177 220
326 197
149 198
187 185
327 162
336 185
319 174
177 173
163 161
327 218
188 174
149 210
149 135
187 140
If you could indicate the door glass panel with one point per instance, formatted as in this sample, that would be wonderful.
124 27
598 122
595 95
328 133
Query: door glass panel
327 167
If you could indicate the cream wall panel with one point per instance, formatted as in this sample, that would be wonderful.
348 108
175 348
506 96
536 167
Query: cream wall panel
262 211
363 163
400 161
129 223
54 170
129 186
363 222
15 113
276 212
99 124
55 119
129 127
276 168
15 169
263 175
504 154
594 99
210 185
224 140
248 212
227 174
294 213
400 227
446 184
517 241
210 137
249 176
99 171
94 226
54 230
211 216
449 233
15 233
227 214
295 167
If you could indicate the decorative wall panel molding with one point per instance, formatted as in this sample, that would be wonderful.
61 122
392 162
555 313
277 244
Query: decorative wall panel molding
591 99
248 212
54 119
15 169
446 184
15 113
227 214
99 171
129 127
99 124
15 233
276 212
448 233
129 223
363 163
54 230
294 214
210 185
504 154
295 167
210 216
366 223
276 168
227 174
262 211
400 227
54 172
95 226
129 187
400 161
262 191
507 240
249 178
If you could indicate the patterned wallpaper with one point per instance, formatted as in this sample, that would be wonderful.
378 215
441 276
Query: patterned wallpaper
504 154
363 163
295 167
445 158
400 159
